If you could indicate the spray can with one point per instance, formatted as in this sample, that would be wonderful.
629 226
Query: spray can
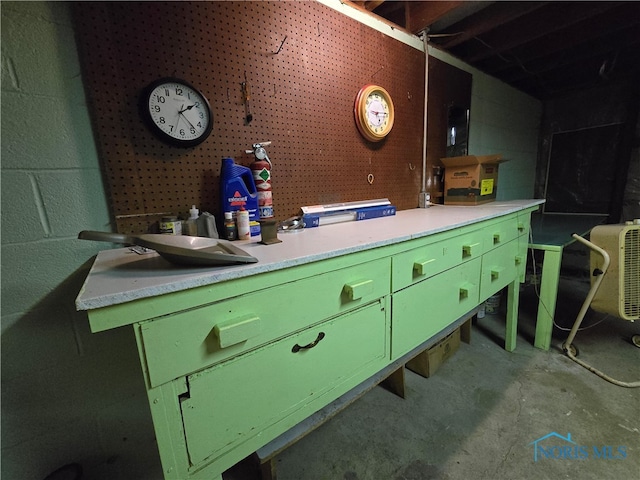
261 170
238 190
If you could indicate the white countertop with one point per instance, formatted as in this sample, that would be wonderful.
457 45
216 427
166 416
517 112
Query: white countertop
120 275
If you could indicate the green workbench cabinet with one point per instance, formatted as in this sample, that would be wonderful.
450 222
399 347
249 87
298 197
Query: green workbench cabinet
234 357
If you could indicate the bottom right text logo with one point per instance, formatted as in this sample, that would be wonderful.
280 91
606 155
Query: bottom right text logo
554 446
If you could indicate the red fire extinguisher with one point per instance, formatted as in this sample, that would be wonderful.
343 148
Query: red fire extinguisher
261 170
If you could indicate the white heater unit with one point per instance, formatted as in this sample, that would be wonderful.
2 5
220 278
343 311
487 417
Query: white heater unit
619 292
615 283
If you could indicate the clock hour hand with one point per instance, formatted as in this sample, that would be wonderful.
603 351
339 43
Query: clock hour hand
188 108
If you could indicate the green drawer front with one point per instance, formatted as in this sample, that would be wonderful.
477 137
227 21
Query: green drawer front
267 391
500 233
424 262
424 309
500 267
186 342
524 224
524 227
466 247
420 263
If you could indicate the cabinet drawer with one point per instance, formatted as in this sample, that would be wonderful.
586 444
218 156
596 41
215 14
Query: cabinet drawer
188 341
267 391
524 224
500 233
424 309
420 263
524 227
500 267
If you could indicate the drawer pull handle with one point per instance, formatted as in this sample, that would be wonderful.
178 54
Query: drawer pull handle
237 330
421 267
355 291
495 273
465 291
521 227
496 238
469 250
296 348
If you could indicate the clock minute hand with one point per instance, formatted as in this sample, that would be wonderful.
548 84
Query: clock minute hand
185 117
178 120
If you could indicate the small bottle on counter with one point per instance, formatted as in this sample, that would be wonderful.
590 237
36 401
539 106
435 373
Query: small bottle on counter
191 224
170 226
230 229
242 219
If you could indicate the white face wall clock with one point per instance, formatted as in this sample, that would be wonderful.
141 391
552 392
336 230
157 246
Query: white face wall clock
176 112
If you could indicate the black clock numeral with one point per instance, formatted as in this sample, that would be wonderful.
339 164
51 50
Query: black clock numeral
182 133
156 108
192 130
161 120
166 92
199 125
178 91
159 99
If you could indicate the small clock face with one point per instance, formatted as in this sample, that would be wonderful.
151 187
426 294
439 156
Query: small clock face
377 111
177 112
374 112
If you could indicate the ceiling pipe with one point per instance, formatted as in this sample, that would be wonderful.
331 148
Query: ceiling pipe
424 199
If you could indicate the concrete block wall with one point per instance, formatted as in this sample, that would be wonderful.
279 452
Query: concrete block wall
68 395
506 121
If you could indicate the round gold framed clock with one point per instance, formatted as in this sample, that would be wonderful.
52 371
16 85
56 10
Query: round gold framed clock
374 113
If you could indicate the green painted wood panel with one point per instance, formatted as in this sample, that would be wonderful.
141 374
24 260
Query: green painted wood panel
499 268
233 402
524 230
422 310
186 342
106 318
500 233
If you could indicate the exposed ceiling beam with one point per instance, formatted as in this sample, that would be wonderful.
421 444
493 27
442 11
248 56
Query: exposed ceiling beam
534 26
620 24
487 19
422 14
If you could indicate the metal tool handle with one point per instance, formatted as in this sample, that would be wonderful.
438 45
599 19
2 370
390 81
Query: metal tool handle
106 237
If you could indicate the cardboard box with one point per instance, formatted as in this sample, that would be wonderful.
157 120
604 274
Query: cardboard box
470 180
428 362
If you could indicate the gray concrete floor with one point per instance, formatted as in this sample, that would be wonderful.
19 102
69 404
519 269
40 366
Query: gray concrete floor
478 416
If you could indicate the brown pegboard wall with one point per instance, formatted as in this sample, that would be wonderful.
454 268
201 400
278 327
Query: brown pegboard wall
305 64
